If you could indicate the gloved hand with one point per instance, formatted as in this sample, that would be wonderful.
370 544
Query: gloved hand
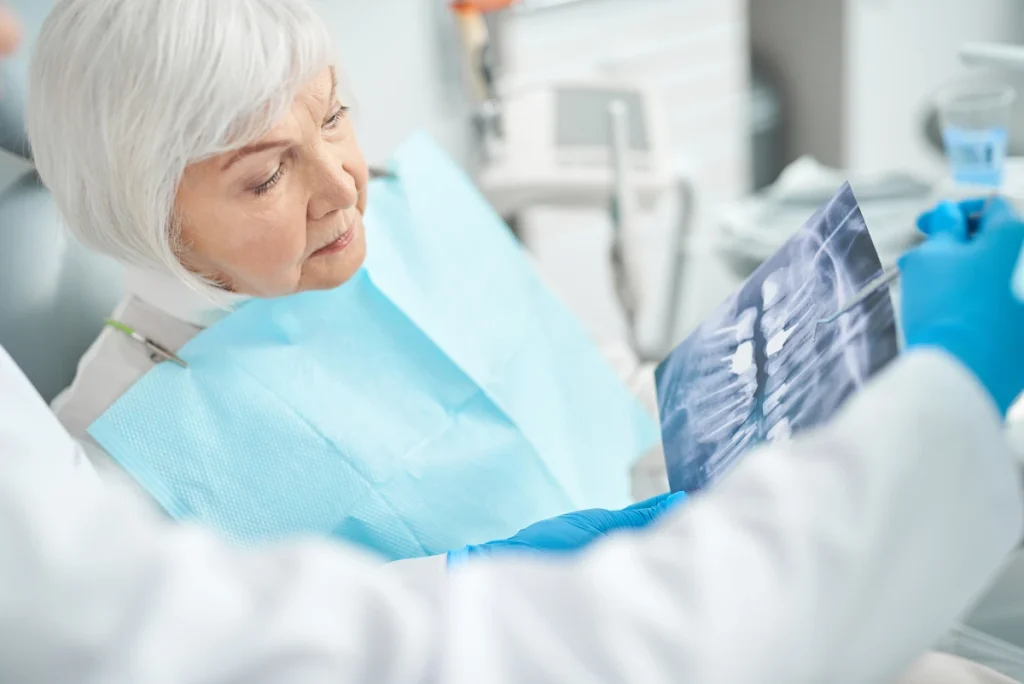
573 531
957 296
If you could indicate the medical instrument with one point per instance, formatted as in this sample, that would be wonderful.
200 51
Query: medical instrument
478 44
888 276
475 38
156 349
470 405
622 217
557 146
993 55
891 274
623 214
475 22
596 146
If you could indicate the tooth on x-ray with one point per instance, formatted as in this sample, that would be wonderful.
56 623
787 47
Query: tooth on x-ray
754 371
771 289
781 430
778 341
743 358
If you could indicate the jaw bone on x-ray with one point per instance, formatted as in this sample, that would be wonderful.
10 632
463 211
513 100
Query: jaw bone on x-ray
756 370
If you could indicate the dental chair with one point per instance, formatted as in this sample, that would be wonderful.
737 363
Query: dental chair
54 294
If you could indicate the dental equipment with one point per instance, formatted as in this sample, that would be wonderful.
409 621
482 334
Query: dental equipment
621 215
157 350
478 22
993 55
475 39
559 151
888 276
891 274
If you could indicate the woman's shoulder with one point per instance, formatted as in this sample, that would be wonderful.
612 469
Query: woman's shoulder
114 362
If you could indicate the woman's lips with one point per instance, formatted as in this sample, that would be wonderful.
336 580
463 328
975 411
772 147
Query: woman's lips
338 245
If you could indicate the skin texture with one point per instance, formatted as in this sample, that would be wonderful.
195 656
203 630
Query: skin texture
10 32
254 222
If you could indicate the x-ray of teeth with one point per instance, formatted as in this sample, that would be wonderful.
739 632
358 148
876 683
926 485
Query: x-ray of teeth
756 370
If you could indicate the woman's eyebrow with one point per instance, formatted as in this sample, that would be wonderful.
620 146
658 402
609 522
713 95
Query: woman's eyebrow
253 149
272 144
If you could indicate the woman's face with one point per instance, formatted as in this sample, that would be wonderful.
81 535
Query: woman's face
283 214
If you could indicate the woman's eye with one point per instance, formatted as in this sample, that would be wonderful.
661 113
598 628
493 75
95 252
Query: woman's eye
336 118
267 185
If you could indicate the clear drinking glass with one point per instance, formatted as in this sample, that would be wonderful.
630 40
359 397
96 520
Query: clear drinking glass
975 117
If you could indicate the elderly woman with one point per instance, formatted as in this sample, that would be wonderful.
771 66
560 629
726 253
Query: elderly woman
203 144
219 173
206 145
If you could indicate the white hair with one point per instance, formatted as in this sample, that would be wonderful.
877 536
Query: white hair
125 94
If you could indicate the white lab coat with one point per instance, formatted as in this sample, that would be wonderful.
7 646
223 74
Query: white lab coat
836 558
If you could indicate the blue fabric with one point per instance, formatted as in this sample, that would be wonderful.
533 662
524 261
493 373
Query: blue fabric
956 292
442 397
572 532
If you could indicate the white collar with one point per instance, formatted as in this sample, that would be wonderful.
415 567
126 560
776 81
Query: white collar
201 306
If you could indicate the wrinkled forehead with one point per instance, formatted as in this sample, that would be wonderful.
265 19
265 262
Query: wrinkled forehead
313 101
320 89
314 97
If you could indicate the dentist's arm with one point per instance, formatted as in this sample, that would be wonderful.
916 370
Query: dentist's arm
838 558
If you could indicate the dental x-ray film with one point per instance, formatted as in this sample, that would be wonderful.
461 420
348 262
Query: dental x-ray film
756 370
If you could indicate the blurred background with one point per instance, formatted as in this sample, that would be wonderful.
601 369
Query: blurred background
731 93
648 153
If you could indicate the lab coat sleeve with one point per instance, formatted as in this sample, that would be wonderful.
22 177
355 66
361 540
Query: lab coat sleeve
838 557
834 559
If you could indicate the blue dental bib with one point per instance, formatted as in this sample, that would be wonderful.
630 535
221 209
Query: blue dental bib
441 397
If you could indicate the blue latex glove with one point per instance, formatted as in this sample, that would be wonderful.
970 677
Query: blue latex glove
957 297
573 531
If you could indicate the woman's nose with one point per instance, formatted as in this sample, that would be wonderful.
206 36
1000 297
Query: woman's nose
335 189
